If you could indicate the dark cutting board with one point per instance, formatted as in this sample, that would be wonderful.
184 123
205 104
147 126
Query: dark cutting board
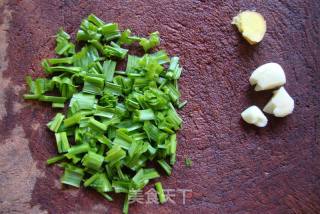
237 168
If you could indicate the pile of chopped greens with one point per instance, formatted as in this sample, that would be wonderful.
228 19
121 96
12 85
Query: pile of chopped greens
117 122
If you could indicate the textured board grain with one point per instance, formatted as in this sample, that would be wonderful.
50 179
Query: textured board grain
236 168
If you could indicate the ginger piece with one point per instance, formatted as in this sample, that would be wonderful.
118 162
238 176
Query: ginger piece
251 25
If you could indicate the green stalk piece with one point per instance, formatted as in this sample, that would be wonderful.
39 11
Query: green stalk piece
160 192
56 122
92 160
62 142
72 176
165 166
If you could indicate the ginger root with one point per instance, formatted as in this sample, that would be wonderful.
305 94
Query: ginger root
252 25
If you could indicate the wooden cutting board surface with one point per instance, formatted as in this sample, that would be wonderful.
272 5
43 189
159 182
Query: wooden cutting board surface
237 168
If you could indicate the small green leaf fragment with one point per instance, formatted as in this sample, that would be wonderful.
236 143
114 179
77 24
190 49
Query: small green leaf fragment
188 162
153 41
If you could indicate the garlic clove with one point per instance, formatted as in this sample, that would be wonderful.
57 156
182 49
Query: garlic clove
281 104
268 76
253 115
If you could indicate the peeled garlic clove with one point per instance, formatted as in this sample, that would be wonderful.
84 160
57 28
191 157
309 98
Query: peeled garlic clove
268 76
253 115
252 25
281 104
